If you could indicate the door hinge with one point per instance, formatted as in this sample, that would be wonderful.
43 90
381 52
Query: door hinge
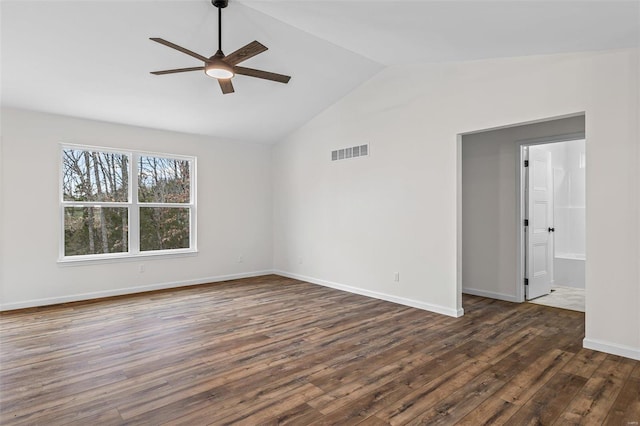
526 281
526 163
526 222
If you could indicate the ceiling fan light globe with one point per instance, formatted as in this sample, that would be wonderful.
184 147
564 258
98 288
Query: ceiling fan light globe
219 73
217 68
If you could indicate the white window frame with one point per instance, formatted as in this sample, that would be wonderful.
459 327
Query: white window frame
133 205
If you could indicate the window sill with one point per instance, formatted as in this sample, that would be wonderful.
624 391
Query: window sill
118 258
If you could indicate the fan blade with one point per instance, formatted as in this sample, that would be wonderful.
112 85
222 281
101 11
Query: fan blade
226 85
244 53
262 74
179 48
177 70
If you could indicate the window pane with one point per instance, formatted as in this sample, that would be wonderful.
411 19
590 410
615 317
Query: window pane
163 180
94 176
164 228
94 230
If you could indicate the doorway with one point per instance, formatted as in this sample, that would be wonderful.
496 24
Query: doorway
491 255
553 195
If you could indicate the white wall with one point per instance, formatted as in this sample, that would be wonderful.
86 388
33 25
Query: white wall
489 201
354 223
234 211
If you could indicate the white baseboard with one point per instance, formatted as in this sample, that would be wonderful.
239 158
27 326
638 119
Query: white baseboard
376 295
490 294
176 284
612 348
129 290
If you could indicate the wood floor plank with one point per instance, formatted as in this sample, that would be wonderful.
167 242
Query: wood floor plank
626 408
530 380
493 411
365 406
373 421
635 374
302 414
546 405
459 403
495 353
273 350
594 402
344 392
585 363
453 377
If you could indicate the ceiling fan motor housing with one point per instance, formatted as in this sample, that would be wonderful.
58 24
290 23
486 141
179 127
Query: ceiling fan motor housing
220 3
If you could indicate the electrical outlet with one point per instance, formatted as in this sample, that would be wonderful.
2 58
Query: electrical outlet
300 260
396 277
240 259
141 268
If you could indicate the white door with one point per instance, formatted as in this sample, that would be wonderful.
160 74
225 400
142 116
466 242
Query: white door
539 256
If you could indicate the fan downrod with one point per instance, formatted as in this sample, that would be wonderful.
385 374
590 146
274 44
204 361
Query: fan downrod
220 4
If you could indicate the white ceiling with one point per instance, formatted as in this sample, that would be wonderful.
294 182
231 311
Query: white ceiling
92 58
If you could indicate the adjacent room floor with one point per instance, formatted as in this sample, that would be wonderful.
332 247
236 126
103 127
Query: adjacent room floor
273 350
563 297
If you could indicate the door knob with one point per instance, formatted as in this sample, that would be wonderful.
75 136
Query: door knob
552 229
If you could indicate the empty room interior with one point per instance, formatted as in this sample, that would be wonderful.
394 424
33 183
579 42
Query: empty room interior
346 212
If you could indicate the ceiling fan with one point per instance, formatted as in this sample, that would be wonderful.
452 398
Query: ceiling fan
224 67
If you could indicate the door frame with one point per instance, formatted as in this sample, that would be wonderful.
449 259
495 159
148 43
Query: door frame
520 197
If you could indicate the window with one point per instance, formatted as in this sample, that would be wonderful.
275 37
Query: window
105 213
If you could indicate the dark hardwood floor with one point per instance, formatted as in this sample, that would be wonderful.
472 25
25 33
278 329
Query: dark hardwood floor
273 350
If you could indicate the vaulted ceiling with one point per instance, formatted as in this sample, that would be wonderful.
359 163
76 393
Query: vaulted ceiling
92 58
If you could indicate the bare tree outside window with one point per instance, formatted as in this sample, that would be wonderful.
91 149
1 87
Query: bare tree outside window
164 228
163 180
97 208
94 176
104 224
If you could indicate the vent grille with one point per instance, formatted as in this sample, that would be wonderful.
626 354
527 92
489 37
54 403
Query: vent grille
351 152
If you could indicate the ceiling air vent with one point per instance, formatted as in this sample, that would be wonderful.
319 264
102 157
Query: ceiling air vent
351 152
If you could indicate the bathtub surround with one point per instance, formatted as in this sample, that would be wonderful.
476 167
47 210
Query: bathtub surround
568 159
569 175
569 271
